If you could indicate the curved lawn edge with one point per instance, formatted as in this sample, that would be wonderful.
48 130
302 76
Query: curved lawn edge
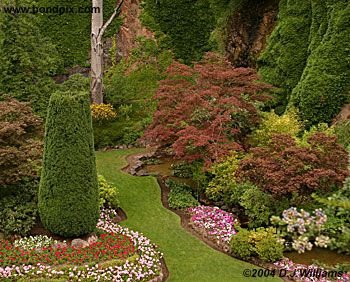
186 256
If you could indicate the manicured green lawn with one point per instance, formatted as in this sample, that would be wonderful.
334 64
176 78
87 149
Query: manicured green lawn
188 258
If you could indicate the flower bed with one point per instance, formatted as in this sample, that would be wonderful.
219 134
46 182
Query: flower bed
217 224
109 246
119 255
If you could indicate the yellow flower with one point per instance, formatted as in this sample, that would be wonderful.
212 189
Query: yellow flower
102 112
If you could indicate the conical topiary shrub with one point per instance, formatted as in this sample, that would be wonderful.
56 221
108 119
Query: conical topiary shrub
68 193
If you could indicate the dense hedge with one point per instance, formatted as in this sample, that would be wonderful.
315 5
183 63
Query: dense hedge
71 31
68 193
325 83
27 58
284 59
308 56
187 25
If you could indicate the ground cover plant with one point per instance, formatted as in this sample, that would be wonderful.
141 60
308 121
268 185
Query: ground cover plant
180 195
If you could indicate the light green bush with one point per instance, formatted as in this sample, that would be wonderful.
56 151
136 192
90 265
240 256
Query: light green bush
288 123
262 243
224 185
108 193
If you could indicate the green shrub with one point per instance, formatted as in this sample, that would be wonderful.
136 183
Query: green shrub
288 123
108 193
68 194
262 243
342 131
119 131
183 170
18 211
130 86
269 249
180 196
224 186
240 245
258 206
76 82
337 227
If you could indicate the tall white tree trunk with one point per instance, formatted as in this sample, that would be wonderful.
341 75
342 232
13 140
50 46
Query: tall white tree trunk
96 86
97 31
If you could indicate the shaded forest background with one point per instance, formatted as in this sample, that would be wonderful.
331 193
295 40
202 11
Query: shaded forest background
300 46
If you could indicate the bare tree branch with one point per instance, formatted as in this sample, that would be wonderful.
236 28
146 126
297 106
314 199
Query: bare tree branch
115 13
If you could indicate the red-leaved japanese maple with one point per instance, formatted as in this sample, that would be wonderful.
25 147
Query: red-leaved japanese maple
206 111
284 167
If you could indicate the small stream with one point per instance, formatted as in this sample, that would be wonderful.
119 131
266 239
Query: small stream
164 169
325 256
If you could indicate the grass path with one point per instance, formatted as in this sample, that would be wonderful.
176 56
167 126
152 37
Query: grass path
188 259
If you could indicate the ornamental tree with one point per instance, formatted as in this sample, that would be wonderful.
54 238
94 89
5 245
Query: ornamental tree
68 192
20 142
206 111
283 167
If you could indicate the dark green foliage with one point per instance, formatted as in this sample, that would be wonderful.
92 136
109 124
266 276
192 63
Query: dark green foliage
181 25
180 196
183 170
258 206
129 87
325 83
284 59
26 58
71 31
68 194
18 210
308 56
76 82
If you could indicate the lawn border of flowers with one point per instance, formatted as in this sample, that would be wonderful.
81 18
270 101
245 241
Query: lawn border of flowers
148 255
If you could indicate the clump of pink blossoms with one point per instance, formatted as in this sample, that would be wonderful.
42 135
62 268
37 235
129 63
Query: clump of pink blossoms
217 222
